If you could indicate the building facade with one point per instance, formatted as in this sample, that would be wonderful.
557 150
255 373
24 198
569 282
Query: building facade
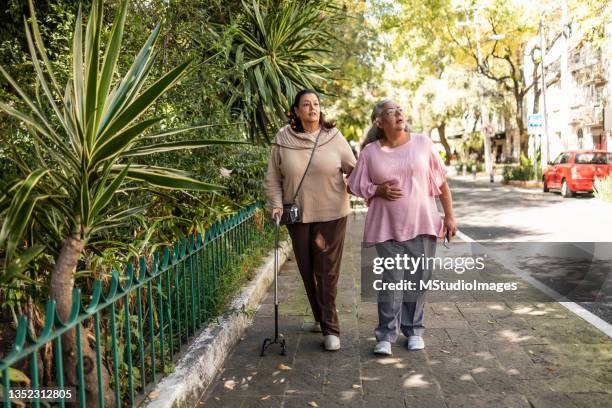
578 97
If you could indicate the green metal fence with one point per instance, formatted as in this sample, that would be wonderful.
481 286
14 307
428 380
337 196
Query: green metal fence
142 320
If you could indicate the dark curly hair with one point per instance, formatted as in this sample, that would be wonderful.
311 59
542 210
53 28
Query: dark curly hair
296 123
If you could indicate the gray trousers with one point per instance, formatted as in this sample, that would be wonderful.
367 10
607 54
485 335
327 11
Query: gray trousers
398 306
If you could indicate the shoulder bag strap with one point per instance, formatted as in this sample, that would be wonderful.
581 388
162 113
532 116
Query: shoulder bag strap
307 166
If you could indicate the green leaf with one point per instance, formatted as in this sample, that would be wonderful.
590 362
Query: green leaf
69 129
104 197
28 101
92 59
19 264
169 179
110 58
25 118
85 201
19 211
171 132
114 145
171 146
77 73
253 62
17 376
130 83
41 47
117 168
146 99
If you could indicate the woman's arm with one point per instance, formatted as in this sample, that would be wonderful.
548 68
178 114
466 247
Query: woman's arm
273 184
446 200
347 158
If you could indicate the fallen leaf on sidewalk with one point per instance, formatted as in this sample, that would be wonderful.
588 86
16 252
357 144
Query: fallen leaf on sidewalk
267 397
491 321
313 404
154 394
283 367
356 386
326 382
445 351
230 384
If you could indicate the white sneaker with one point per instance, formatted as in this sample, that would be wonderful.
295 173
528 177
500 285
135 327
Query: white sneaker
332 343
383 347
316 327
415 343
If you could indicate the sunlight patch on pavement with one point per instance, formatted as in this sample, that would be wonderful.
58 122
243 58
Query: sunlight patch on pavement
416 381
513 336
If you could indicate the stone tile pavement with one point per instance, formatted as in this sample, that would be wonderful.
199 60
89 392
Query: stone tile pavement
477 354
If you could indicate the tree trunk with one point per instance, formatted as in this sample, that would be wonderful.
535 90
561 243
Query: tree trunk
476 119
520 123
536 99
442 134
62 283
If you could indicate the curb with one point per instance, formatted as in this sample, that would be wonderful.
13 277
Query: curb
524 184
196 369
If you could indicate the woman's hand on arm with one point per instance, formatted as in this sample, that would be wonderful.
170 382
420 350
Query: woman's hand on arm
388 192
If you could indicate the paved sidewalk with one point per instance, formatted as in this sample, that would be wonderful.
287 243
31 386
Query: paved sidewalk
480 354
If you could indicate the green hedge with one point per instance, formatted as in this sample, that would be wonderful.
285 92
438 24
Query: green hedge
522 172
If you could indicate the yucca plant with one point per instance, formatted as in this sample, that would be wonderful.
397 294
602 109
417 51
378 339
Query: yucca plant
86 136
275 51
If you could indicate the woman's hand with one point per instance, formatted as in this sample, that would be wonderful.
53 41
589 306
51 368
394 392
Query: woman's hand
276 213
450 225
388 192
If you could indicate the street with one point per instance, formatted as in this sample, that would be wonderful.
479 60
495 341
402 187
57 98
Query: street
495 212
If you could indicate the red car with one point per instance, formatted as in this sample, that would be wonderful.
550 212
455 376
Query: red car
574 171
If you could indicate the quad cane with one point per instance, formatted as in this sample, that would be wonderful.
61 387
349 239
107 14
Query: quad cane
278 338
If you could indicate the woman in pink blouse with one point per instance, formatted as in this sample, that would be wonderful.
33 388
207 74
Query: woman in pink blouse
400 175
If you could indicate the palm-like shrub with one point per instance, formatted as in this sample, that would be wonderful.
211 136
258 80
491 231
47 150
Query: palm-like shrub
275 51
86 137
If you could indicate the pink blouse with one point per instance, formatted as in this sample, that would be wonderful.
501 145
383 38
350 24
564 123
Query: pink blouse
417 169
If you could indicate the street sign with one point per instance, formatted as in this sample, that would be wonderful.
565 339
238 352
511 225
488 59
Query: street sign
535 120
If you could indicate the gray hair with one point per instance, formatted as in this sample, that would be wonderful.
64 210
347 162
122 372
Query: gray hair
375 133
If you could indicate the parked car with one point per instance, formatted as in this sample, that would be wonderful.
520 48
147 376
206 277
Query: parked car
573 171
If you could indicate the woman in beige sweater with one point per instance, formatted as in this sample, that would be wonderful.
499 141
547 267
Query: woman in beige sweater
323 201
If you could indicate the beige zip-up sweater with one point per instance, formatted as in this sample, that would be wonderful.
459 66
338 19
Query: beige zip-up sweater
323 196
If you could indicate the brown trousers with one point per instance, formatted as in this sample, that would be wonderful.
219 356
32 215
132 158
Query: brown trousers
318 252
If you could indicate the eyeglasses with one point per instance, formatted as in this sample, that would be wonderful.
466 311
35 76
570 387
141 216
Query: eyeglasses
392 111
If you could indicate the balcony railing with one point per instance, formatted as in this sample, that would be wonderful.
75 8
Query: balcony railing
583 58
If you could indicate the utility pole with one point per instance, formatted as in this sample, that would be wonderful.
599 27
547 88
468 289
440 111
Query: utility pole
565 77
544 141
484 115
